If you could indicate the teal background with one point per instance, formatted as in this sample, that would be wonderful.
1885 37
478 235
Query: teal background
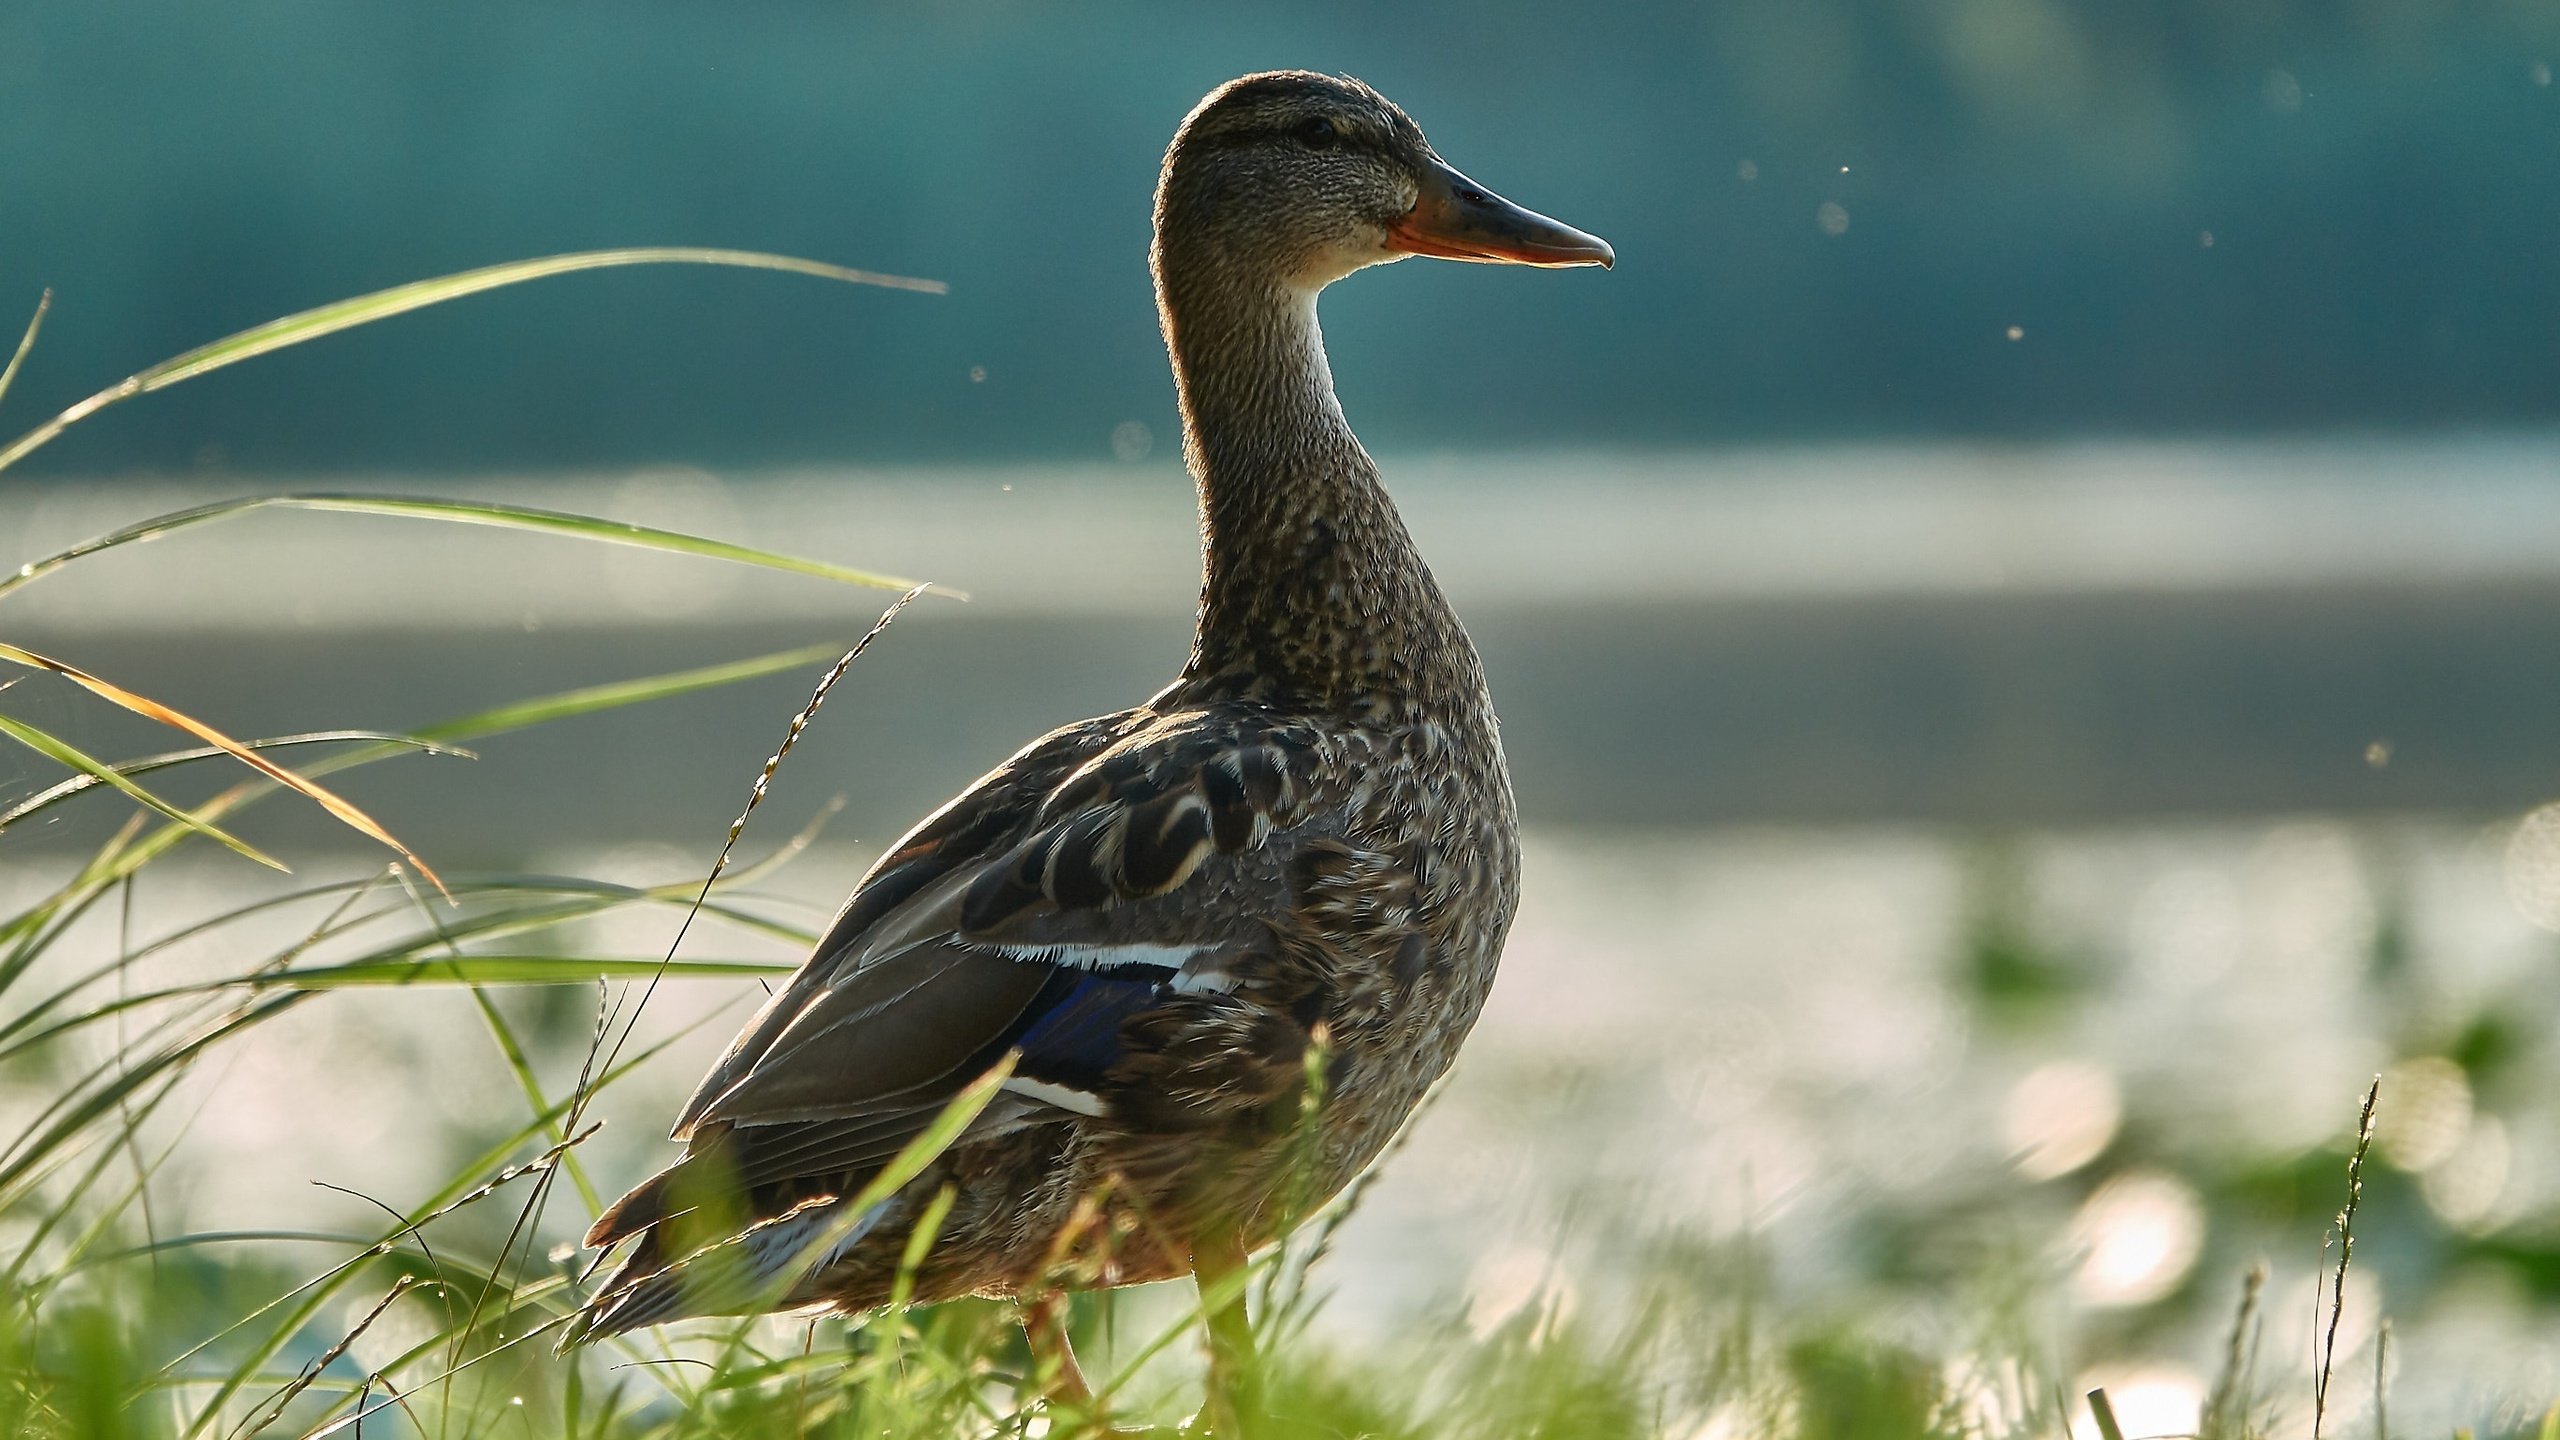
2381 181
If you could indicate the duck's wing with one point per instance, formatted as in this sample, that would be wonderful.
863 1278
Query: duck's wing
983 822
1095 877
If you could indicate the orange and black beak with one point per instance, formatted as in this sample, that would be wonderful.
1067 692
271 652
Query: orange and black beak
1458 219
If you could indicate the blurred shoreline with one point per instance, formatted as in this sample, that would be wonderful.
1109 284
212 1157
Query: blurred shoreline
1512 527
1942 634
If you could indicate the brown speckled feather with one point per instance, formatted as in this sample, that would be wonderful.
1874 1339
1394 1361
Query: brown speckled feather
1304 846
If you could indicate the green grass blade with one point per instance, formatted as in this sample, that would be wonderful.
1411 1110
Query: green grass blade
33 1026
26 932
63 1206
611 532
466 1185
464 512
60 1122
939 1136
26 342
53 795
200 1239
29 925
613 695
585 899
64 753
400 299
509 970
341 809
511 1048
910 1162
395 964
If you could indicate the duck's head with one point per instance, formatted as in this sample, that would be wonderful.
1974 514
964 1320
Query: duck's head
1303 178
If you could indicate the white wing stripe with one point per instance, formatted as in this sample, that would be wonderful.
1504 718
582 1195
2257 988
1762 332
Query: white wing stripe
1174 960
1080 956
1065 1097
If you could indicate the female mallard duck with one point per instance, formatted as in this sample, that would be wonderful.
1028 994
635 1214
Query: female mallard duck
1299 858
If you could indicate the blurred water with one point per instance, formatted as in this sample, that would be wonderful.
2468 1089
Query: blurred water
1910 1067
1956 873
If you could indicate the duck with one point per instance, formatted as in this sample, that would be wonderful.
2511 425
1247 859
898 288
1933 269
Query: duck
1217 945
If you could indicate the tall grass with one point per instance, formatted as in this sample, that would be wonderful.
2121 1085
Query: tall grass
435 1319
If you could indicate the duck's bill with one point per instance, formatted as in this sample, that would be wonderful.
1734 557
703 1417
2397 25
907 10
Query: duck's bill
1458 219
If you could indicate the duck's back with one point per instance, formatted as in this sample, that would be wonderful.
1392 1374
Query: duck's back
1176 919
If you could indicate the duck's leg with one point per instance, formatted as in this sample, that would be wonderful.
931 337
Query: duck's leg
1234 1407
1054 1371
1074 1410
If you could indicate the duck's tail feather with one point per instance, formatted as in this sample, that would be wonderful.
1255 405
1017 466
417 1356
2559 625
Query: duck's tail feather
746 1274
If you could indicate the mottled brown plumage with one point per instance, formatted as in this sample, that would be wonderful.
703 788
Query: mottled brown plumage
1305 844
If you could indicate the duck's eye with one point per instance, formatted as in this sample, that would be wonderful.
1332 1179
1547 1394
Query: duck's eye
1317 133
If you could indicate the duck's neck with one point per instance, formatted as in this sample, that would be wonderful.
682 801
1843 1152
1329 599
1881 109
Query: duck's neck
1312 590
